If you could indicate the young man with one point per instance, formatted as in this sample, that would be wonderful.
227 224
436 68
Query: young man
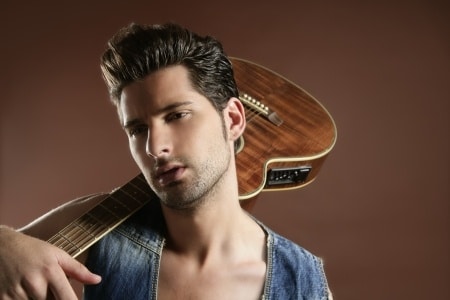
178 104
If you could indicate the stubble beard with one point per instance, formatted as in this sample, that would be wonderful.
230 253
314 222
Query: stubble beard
199 189
207 177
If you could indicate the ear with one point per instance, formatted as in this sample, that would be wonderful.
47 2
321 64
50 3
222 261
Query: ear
234 114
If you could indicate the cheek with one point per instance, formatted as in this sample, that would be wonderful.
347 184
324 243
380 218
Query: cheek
214 138
137 152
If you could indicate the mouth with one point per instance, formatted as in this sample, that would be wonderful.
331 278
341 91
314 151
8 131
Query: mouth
169 174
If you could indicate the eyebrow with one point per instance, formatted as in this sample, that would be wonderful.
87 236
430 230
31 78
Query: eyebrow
174 106
170 107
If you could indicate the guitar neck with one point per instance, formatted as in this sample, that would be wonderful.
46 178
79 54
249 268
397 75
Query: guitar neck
104 217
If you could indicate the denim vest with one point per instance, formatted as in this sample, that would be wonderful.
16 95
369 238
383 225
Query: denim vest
128 260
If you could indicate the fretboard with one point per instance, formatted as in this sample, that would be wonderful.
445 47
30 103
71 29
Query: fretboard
104 217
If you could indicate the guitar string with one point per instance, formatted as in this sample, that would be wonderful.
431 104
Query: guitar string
251 114
75 237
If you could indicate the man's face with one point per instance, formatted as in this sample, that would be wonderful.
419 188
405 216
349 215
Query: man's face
177 138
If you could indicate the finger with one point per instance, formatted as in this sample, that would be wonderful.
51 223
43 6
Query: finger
53 285
76 270
35 287
59 286
16 293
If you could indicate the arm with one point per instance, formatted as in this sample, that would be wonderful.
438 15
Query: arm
31 267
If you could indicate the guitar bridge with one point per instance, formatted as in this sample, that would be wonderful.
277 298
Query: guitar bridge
294 175
260 108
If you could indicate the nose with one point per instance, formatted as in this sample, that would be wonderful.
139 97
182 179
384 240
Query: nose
158 143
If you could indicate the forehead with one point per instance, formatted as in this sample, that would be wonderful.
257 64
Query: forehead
158 90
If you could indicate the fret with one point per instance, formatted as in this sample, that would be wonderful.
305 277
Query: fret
140 183
117 207
66 244
90 225
104 217
72 238
124 197
77 235
135 191
112 208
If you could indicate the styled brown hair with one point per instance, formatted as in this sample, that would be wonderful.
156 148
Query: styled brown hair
136 51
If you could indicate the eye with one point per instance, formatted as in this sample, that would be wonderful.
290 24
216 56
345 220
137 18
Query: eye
177 115
137 130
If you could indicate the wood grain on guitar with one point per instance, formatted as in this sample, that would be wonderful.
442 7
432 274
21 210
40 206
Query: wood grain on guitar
288 136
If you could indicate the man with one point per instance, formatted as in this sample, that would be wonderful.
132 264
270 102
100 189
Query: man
178 104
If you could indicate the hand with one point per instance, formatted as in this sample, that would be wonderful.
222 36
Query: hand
33 269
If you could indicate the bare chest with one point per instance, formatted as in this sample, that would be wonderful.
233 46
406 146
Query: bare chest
222 281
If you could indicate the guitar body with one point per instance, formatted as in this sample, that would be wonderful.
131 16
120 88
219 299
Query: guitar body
288 136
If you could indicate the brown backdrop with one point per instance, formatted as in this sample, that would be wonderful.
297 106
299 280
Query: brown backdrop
378 212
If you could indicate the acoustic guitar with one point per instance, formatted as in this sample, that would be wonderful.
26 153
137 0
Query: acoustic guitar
289 134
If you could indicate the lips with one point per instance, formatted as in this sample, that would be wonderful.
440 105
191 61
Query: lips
169 174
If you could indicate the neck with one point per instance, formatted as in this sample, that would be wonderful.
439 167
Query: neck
216 228
203 226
